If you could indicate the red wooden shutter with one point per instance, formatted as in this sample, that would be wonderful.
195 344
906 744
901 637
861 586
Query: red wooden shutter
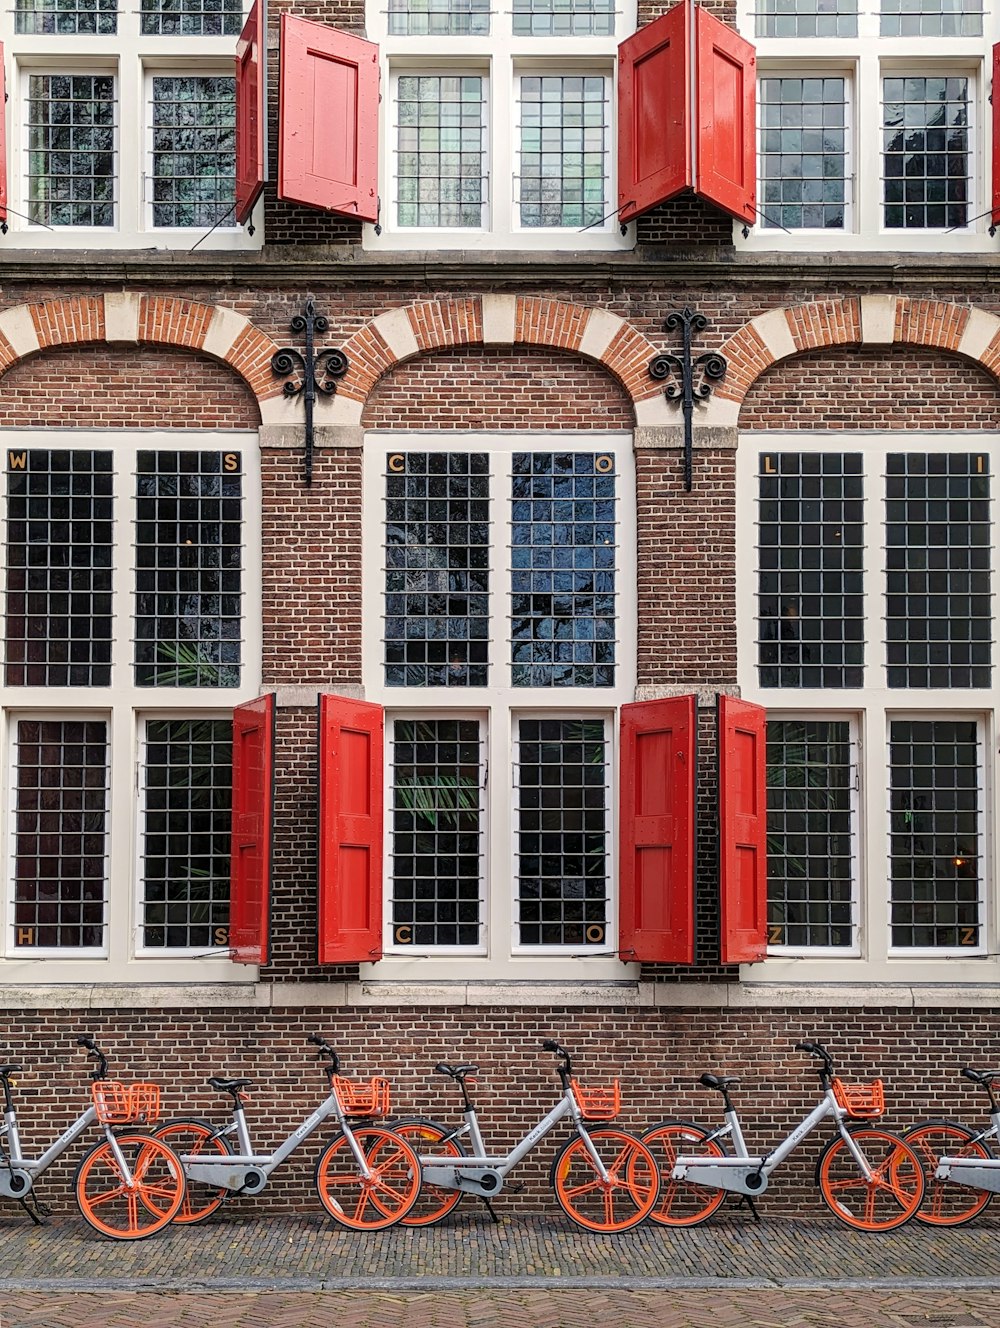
654 155
726 166
251 111
350 831
995 99
328 121
742 830
3 143
656 870
253 795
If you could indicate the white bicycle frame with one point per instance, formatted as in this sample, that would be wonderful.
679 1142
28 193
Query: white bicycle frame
17 1173
745 1173
978 1173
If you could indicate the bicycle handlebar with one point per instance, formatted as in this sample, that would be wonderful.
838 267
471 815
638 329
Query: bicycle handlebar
94 1053
826 1070
564 1070
325 1050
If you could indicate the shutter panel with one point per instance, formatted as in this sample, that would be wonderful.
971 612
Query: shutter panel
253 796
350 831
654 154
656 871
3 143
742 830
328 121
995 99
251 111
726 173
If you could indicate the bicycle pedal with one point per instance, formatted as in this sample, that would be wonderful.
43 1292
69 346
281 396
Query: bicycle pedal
515 1186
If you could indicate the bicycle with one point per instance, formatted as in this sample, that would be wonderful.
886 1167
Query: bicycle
869 1178
605 1179
127 1187
367 1177
951 1152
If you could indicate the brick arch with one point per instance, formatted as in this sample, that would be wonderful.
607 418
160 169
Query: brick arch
870 320
500 320
122 318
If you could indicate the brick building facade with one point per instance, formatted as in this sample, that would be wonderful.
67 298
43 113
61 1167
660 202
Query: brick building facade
852 436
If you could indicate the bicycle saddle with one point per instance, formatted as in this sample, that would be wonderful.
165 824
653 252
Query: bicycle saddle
977 1076
7 1070
228 1085
456 1071
714 1081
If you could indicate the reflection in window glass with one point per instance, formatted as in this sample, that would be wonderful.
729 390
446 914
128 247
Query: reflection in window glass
66 18
441 163
439 18
71 149
564 150
931 18
194 151
926 157
803 153
807 18
563 18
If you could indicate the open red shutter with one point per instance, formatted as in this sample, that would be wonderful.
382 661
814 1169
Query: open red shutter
328 135
654 157
656 872
251 111
3 143
742 830
726 173
253 795
995 99
350 831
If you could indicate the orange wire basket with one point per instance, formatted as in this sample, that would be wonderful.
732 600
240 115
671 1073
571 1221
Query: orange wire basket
860 1101
598 1103
125 1104
362 1097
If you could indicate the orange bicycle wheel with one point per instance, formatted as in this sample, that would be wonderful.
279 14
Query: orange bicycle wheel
890 1198
620 1202
945 1203
193 1137
385 1196
130 1209
682 1203
434 1203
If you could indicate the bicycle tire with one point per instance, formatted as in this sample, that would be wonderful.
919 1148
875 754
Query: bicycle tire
946 1204
682 1203
382 1200
195 1136
119 1211
892 1197
630 1193
434 1202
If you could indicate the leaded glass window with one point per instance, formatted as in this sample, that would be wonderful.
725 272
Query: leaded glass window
803 152
60 555
563 150
437 563
439 18
926 157
935 859
939 609
811 773
563 532
441 163
563 18
194 150
562 832
71 149
66 18
806 18
186 792
192 18
931 18
60 833
437 832
810 604
188 604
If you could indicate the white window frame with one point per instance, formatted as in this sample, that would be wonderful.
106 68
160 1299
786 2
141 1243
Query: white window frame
874 704
131 58
504 58
866 60
125 708
499 705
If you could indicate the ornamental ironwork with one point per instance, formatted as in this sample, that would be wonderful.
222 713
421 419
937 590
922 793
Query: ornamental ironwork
309 372
690 379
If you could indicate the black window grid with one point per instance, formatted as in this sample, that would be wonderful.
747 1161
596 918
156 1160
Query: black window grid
935 858
194 150
437 832
811 774
66 18
926 154
440 157
939 609
437 569
810 606
803 152
60 555
71 149
186 813
563 130
192 18
562 831
563 569
189 568
60 834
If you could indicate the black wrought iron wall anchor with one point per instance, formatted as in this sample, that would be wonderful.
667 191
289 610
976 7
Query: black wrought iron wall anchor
314 371
708 369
